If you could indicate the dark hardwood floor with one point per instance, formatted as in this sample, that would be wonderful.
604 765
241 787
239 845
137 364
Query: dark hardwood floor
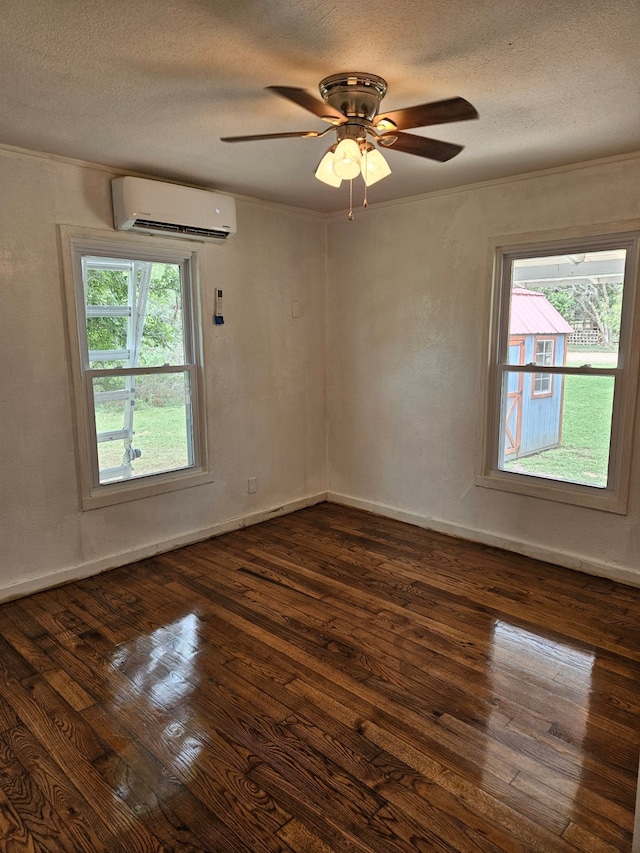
326 681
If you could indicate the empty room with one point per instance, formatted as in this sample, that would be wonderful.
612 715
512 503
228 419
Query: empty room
320 460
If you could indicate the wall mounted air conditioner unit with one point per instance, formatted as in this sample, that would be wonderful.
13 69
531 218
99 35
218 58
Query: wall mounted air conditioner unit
158 208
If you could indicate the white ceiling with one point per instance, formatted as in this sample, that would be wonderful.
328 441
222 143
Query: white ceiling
150 86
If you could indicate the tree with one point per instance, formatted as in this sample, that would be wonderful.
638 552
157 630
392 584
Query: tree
595 303
162 331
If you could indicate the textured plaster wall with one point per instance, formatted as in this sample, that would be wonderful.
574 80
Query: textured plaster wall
405 289
408 295
264 374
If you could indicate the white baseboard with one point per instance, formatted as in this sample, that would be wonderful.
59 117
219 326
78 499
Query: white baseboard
621 574
38 583
566 559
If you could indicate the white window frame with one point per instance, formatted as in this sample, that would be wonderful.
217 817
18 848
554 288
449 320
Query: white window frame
92 242
613 497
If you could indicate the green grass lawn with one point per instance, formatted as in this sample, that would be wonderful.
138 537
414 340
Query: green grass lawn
583 454
160 433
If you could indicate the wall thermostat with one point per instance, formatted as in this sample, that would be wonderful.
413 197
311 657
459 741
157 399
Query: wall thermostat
218 316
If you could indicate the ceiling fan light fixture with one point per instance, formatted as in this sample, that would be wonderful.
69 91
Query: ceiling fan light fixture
373 166
351 106
346 159
325 172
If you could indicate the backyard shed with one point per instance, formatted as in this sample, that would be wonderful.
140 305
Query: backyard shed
538 334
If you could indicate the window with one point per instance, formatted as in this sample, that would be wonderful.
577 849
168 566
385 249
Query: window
544 354
137 373
564 434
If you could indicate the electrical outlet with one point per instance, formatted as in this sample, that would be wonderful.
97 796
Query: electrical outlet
252 485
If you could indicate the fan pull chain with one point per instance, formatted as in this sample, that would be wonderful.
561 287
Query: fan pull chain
351 199
364 201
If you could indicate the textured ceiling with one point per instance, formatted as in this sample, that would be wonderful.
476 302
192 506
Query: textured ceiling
150 86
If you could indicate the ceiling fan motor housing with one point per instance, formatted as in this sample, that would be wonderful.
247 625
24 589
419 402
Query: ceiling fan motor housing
355 94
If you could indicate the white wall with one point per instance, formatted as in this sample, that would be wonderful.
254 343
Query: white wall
264 373
408 288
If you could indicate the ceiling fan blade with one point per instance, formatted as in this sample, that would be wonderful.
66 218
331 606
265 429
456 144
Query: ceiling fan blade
298 134
409 143
424 115
303 99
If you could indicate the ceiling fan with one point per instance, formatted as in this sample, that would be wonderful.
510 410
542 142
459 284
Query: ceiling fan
351 105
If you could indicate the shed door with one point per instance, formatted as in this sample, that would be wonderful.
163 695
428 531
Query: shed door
513 412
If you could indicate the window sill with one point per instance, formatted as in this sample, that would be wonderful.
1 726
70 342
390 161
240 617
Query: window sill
606 500
144 487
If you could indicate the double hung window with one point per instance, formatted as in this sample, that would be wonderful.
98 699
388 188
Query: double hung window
564 434
137 368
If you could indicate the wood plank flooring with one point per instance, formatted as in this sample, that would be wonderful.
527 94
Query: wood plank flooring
325 681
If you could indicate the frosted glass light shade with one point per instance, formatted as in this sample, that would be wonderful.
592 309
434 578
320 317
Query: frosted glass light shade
325 172
346 159
374 167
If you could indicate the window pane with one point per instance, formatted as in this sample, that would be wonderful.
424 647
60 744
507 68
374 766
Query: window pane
544 351
562 436
542 383
134 313
575 298
143 425
163 339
